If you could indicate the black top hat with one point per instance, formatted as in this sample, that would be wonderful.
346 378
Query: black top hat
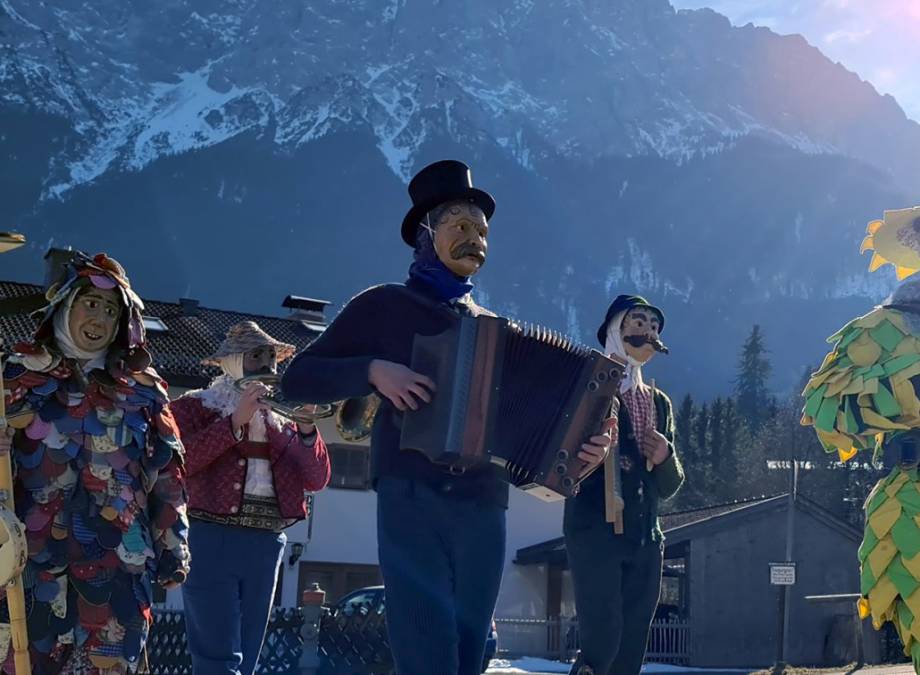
444 181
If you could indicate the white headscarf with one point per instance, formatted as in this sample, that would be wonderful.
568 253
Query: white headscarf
632 379
64 339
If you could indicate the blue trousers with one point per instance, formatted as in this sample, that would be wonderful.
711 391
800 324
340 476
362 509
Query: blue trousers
441 559
228 595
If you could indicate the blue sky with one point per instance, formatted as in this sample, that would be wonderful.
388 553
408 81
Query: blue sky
877 39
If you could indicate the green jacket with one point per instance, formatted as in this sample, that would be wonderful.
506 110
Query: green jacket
642 489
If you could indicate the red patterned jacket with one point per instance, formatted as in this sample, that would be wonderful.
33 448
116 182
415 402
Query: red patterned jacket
217 468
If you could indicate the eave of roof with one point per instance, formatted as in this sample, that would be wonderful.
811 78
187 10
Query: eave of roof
683 526
189 338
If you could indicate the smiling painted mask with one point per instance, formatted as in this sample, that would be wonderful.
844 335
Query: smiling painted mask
93 319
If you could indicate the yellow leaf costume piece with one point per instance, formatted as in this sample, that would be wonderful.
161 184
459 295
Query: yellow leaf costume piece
888 240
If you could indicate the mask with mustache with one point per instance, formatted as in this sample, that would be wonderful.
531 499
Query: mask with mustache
640 340
640 334
450 247
460 238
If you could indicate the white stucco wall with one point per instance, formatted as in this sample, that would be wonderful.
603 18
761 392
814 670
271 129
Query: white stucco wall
530 521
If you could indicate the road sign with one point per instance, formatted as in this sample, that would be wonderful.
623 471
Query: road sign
782 573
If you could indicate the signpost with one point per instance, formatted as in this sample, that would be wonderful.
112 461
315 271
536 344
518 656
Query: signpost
782 573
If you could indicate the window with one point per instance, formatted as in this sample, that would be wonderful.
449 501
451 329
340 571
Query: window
154 324
670 591
351 467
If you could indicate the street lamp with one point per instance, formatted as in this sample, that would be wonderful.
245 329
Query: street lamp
296 552
15 597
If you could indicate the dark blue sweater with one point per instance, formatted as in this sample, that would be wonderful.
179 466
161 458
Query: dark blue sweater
381 323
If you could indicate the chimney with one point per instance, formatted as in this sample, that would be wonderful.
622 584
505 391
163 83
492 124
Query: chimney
308 311
189 306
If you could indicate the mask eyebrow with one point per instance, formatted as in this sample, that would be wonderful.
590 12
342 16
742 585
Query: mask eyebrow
104 300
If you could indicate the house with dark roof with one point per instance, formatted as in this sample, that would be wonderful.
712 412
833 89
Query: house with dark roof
717 583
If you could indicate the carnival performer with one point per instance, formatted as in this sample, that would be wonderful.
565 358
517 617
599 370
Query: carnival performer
617 576
440 535
865 399
99 476
248 470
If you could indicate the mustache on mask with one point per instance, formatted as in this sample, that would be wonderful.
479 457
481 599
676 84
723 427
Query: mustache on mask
640 340
463 250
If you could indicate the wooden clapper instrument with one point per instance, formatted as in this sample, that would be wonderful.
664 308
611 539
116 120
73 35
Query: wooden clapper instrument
613 487
13 547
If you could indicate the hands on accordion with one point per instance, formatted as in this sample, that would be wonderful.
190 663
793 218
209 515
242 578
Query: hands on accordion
522 397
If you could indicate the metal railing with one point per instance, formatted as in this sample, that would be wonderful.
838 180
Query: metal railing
557 638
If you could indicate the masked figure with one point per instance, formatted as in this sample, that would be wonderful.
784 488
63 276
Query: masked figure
617 576
99 476
441 536
864 398
248 470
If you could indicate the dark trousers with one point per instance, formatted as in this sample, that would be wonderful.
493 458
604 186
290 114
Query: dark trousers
228 595
616 587
441 559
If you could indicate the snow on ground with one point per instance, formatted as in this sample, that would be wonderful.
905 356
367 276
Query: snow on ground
529 664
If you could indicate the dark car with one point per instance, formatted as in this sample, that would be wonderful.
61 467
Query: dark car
371 599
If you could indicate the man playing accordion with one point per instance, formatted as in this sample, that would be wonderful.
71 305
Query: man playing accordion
441 533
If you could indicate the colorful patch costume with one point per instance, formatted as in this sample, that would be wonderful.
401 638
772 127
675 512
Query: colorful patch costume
866 396
99 486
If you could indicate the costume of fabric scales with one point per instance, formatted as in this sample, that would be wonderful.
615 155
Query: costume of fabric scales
100 490
866 397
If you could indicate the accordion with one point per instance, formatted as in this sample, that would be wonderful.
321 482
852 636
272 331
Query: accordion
525 398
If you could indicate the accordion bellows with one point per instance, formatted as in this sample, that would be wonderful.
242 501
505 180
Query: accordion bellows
522 397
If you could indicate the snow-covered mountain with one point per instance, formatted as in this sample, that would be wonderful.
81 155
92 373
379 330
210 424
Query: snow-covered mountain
727 172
